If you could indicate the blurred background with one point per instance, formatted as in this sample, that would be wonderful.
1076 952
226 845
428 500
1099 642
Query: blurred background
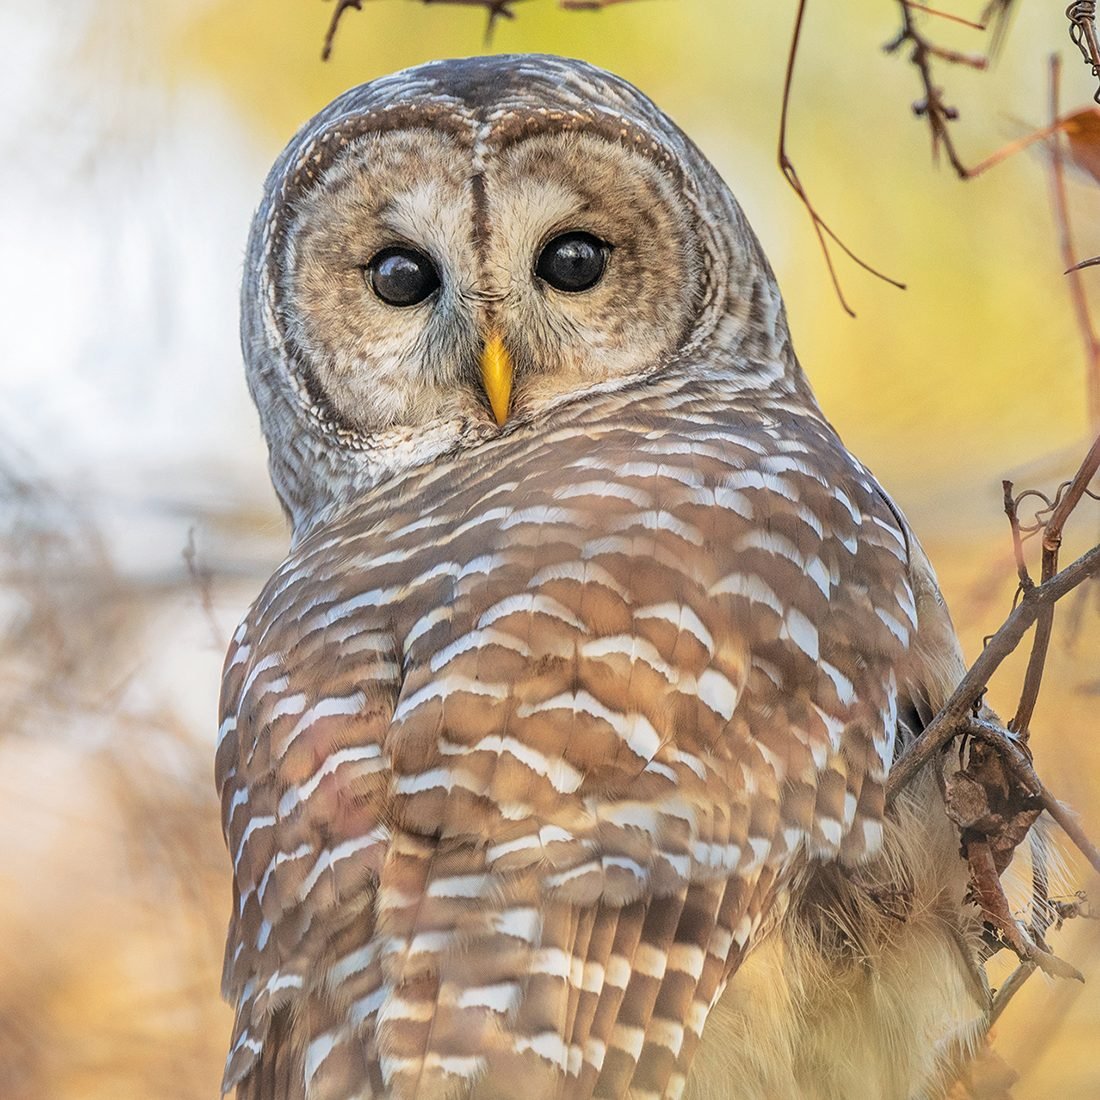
136 518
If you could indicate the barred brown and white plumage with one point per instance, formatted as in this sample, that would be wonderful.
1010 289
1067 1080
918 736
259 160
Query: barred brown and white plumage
568 690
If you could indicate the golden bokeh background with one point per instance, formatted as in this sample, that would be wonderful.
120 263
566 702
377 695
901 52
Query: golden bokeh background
136 522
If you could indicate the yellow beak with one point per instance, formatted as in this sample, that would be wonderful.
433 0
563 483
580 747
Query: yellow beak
496 375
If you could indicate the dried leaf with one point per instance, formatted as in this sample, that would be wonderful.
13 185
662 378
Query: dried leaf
987 799
1082 132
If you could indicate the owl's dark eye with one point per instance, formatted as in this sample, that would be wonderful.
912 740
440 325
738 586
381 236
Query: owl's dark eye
402 276
573 262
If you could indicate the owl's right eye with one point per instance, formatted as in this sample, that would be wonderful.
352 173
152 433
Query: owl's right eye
402 276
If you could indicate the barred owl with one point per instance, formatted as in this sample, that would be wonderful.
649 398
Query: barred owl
552 758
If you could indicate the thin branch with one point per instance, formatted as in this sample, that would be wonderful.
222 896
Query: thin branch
1013 984
1014 147
497 9
1092 261
1071 825
1033 677
953 715
1026 583
975 61
1077 487
950 16
1052 542
791 176
932 106
341 7
1069 253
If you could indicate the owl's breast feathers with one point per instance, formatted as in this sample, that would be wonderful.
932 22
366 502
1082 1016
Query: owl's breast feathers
517 752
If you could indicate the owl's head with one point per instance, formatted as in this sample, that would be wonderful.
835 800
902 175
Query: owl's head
446 254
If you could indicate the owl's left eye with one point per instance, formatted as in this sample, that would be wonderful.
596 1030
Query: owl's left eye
402 276
573 262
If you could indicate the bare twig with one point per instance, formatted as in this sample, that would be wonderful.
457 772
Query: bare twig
1013 984
949 16
1076 489
1069 258
1052 541
497 9
932 106
1014 147
1092 261
1010 501
341 7
787 168
588 5
949 723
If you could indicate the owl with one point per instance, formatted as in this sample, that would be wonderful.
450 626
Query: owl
552 759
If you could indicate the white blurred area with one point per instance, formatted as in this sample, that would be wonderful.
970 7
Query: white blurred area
127 439
126 201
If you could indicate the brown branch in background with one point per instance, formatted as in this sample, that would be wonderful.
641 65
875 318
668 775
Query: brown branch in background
956 712
932 106
1011 504
949 16
824 233
1080 131
1014 147
1069 257
1011 986
588 5
497 9
341 7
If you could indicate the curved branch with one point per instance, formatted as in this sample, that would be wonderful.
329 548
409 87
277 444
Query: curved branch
958 710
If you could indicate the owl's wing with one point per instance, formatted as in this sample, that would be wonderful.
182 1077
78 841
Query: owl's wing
511 783
308 694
